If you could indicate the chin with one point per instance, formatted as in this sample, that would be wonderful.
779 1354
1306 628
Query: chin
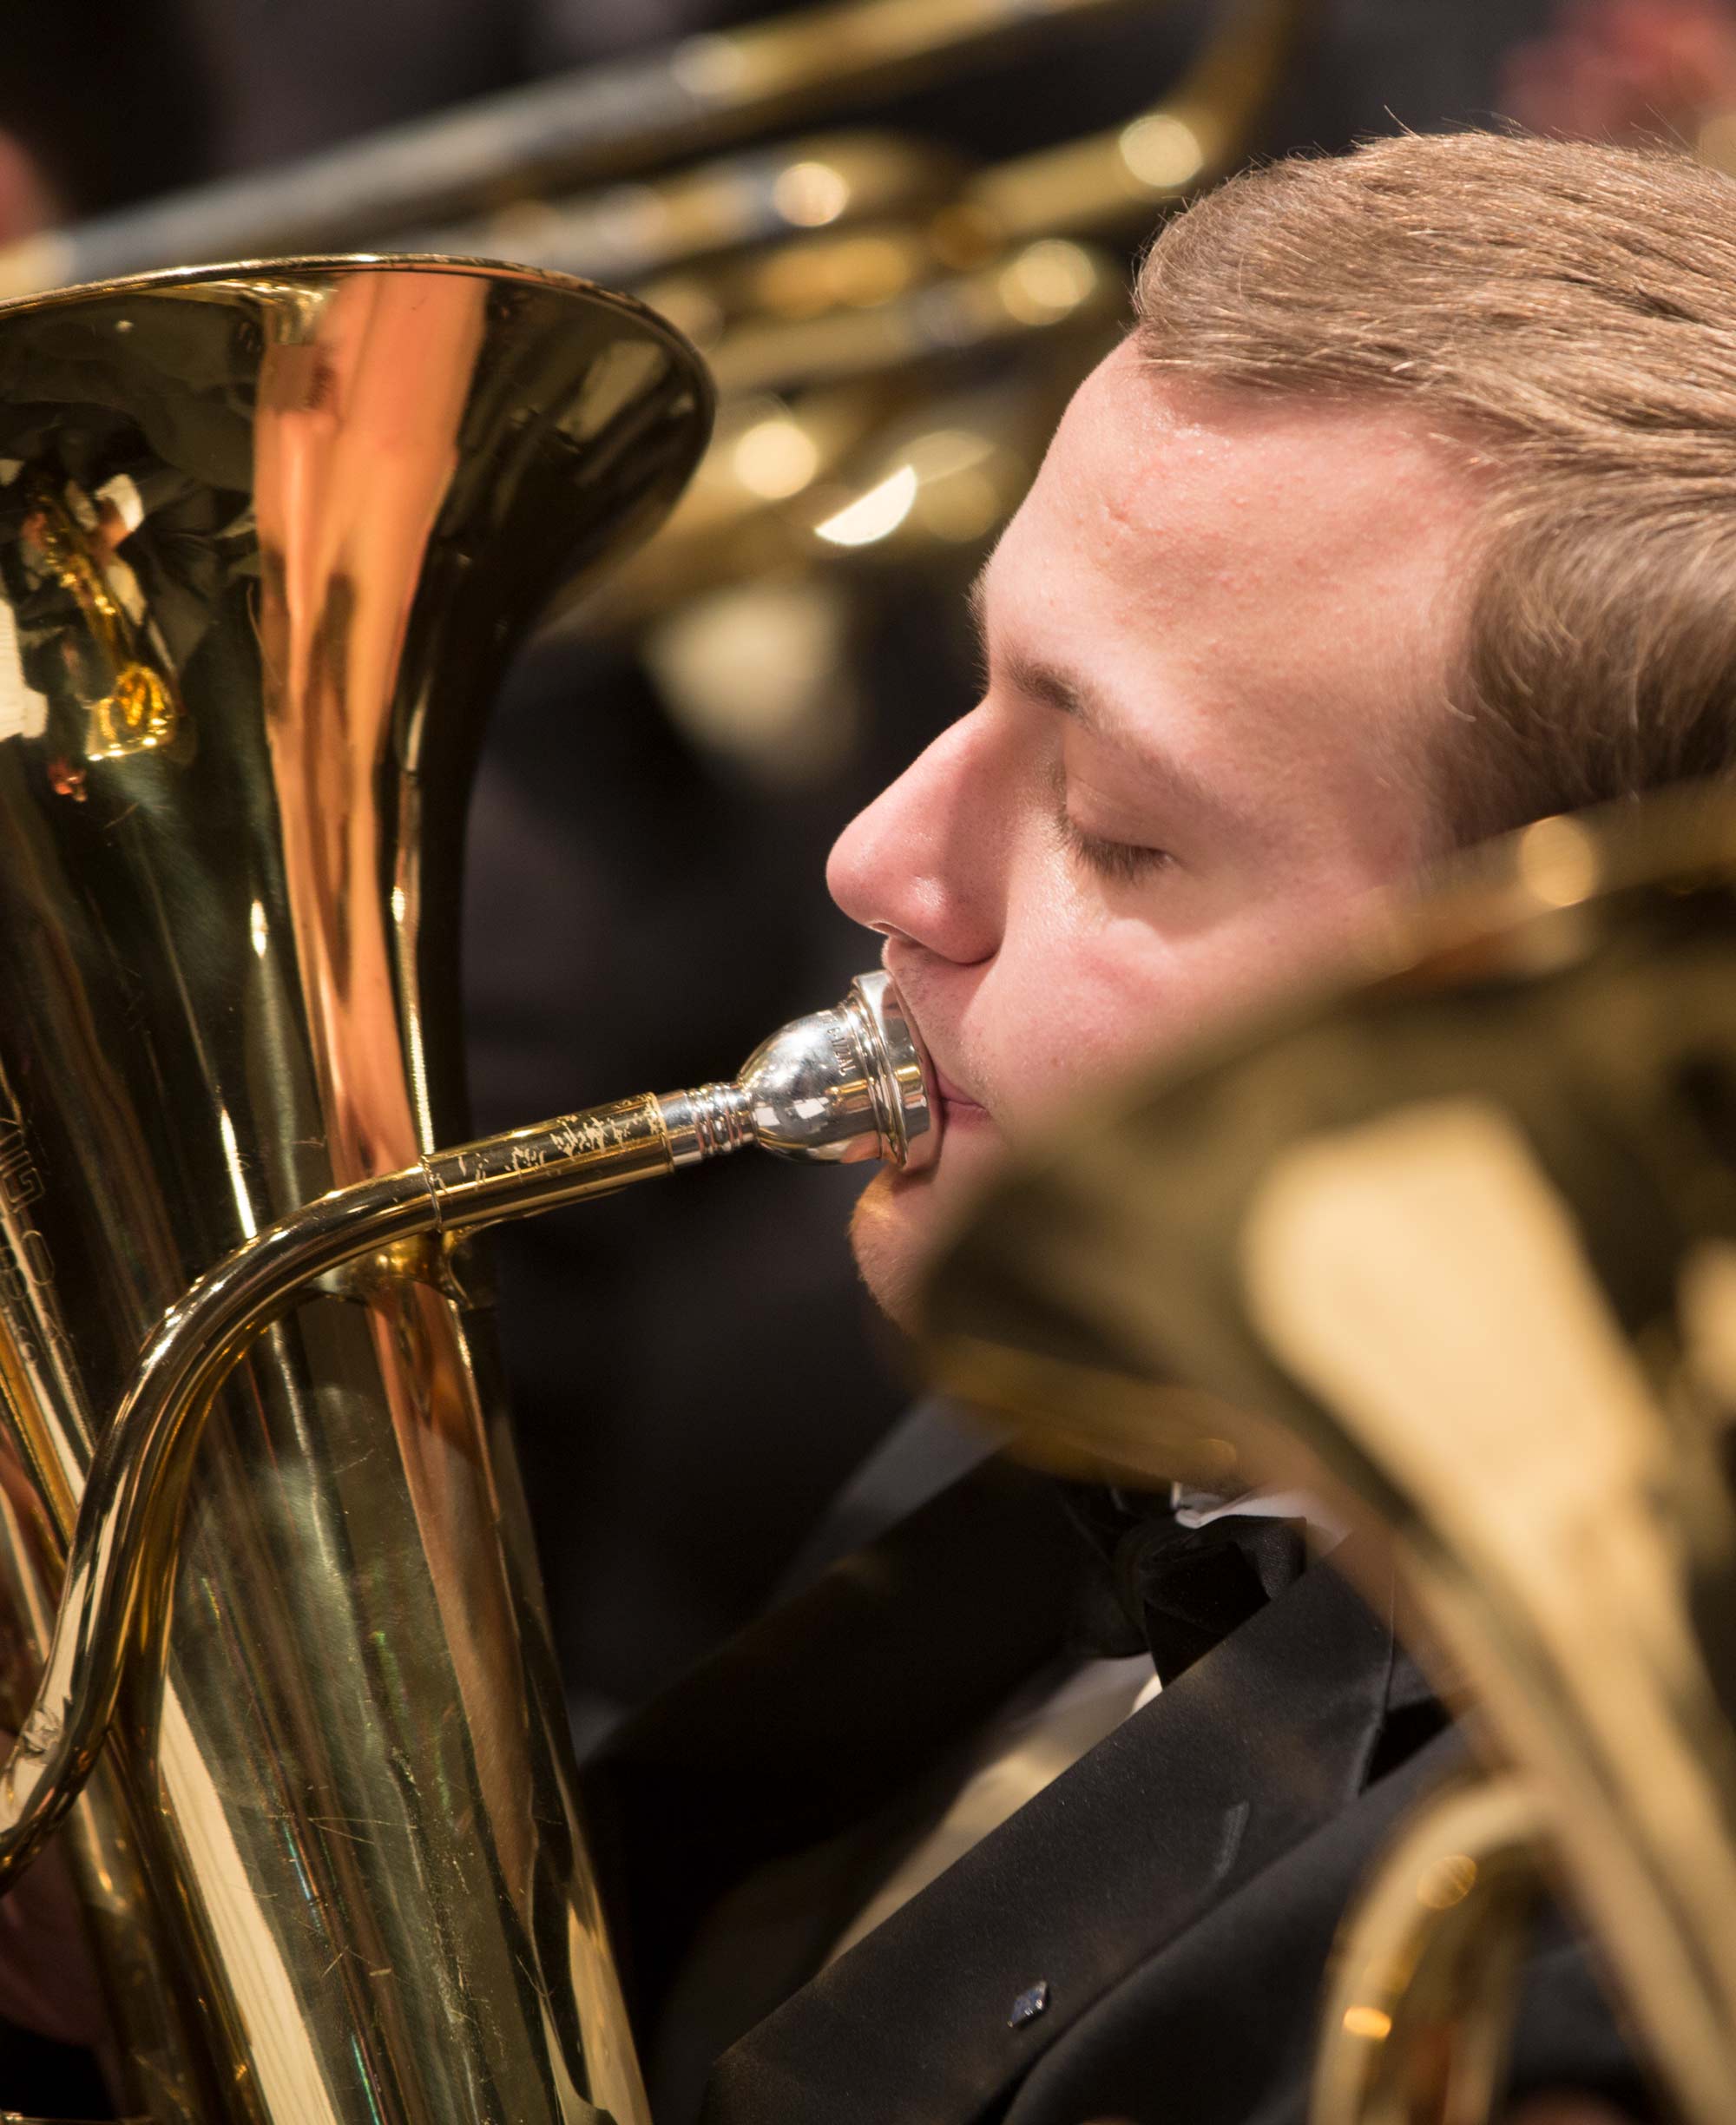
889 1238
902 1221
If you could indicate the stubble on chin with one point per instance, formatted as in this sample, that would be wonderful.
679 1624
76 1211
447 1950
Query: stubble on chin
892 1238
902 1222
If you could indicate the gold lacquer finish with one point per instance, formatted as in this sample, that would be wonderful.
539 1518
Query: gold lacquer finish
1459 1247
266 538
844 1085
1420 2007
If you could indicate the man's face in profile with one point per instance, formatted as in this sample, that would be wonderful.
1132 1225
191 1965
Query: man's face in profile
1216 639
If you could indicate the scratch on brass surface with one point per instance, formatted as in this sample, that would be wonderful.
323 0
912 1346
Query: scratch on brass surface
345 1951
334 1826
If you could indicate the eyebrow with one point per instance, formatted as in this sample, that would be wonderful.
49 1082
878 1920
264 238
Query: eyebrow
1053 688
1039 682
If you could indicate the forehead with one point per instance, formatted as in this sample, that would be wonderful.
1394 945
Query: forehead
1239 557
1145 462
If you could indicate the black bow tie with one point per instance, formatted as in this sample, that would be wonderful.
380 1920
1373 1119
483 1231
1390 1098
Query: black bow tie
1153 1584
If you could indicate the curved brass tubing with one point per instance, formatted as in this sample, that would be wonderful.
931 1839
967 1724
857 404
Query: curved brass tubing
1418 2008
846 1084
116 1601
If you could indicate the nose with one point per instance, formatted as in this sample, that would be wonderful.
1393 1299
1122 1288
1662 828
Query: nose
926 859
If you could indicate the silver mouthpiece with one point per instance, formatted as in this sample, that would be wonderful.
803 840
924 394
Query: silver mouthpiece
849 1083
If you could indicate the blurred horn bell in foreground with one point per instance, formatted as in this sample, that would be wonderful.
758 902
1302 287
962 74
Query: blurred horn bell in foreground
1457 1248
266 538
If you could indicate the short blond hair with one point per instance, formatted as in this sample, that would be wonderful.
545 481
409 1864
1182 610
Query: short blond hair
1563 317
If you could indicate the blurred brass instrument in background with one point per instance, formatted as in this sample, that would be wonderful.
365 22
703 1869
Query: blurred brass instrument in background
599 124
1456 1249
890 372
893 332
497 161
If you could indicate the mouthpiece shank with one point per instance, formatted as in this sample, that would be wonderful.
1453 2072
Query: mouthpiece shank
842 1085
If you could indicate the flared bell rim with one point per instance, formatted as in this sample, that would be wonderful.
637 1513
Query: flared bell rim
336 264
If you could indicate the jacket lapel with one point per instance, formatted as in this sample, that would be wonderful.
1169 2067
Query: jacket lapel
812 1721
1264 1739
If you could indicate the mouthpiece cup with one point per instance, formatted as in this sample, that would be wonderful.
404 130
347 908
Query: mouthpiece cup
843 1085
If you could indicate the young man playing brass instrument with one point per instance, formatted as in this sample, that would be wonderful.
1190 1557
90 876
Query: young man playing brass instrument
1402 516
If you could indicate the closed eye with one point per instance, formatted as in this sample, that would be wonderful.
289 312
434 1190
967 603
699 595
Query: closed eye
1124 862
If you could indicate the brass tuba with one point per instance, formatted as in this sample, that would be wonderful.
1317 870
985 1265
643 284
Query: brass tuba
266 540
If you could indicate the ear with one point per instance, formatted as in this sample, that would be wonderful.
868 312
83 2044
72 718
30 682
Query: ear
28 203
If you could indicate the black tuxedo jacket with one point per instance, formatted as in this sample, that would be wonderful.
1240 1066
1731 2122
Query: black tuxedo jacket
1170 1901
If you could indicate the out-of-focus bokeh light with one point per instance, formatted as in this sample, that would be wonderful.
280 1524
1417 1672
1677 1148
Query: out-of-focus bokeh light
1446 1880
774 458
1046 280
709 65
811 194
753 673
874 515
964 485
1558 860
1162 151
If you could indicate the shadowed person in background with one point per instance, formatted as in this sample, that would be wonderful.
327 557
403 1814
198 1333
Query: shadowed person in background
100 105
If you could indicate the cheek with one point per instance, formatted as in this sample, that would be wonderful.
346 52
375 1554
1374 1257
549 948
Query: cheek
1080 1002
1134 998
1106 1001
1088 984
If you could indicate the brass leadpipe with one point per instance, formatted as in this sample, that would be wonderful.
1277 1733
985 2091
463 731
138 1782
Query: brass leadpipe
840 1086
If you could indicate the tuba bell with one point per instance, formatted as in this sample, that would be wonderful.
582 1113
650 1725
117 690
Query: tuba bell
266 540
